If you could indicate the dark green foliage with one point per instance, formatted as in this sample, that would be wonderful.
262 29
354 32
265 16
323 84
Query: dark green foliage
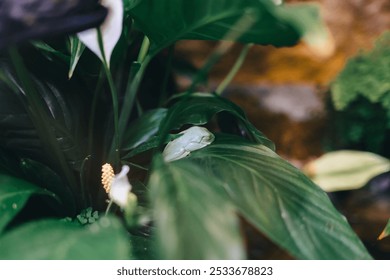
361 98
55 134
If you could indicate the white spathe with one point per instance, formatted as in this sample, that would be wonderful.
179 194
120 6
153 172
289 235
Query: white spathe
111 30
120 188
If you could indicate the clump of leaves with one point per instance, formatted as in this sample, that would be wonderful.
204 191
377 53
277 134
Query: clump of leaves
193 204
88 216
361 98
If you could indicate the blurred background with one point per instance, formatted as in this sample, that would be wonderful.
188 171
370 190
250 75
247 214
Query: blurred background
293 115
286 93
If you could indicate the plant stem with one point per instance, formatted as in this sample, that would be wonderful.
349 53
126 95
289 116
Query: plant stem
115 105
143 50
232 73
243 24
137 70
135 77
91 123
114 97
108 207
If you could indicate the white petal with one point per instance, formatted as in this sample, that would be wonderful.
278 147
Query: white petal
111 30
120 187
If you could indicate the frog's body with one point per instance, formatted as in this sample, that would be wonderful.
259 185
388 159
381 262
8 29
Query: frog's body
192 139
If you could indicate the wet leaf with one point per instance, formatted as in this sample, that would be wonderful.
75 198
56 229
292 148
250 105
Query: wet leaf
14 194
143 248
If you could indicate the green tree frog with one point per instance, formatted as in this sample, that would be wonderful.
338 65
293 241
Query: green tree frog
192 139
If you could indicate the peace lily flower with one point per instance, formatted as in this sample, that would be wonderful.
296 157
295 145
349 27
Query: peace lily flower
117 186
23 20
111 30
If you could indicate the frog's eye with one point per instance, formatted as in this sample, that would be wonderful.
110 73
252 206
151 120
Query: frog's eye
208 138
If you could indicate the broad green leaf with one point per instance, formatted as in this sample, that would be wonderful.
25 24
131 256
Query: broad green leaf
385 232
58 240
193 217
200 108
165 22
143 129
14 194
279 200
345 169
76 50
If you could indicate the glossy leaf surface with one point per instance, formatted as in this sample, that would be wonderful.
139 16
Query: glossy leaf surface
280 201
143 129
200 108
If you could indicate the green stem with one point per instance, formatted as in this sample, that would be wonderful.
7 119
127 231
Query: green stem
214 58
232 73
114 97
239 28
115 105
143 50
91 122
135 78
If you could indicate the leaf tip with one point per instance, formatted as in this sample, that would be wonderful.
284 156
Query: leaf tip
382 235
